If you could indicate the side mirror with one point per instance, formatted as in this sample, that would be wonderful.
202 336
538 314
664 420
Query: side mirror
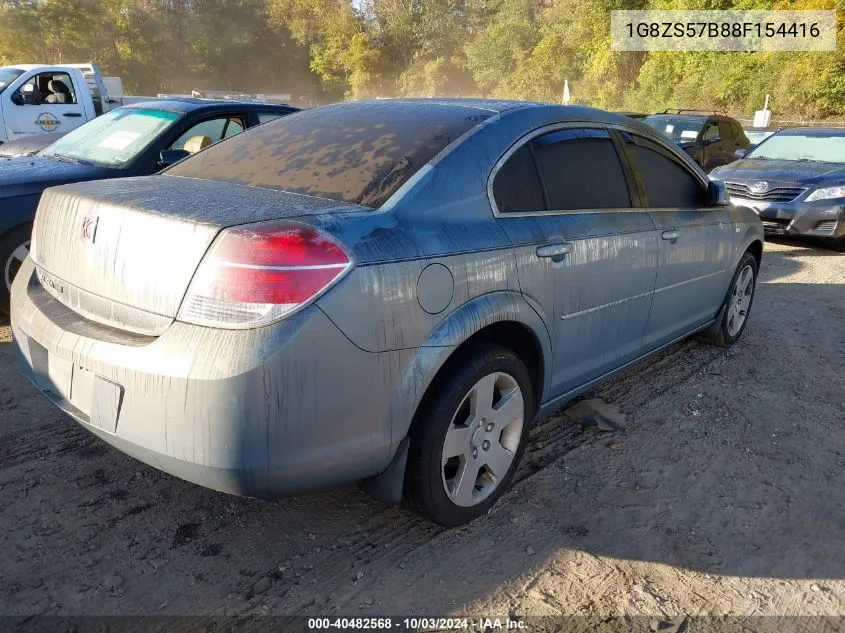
17 98
740 153
717 194
171 156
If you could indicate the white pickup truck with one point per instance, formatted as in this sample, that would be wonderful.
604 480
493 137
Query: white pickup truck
41 98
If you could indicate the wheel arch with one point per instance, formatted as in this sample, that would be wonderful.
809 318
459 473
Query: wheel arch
755 246
504 318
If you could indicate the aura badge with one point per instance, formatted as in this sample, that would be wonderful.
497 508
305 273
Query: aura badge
760 187
89 228
47 122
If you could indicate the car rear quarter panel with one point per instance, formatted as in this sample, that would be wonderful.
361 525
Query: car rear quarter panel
443 217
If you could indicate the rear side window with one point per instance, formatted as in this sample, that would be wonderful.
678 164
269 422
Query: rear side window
712 132
580 169
666 182
516 186
359 153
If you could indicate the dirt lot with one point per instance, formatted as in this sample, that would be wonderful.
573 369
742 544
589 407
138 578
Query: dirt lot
725 495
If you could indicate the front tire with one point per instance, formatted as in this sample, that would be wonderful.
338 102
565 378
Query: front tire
738 302
468 436
14 248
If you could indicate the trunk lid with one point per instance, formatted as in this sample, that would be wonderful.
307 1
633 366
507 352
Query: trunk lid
122 252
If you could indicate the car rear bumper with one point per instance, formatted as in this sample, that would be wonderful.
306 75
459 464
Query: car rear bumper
815 219
265 412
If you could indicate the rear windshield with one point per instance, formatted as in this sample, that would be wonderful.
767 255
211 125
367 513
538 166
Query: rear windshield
679 129
359 153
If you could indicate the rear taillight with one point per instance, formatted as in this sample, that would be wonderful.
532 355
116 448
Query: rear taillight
257 274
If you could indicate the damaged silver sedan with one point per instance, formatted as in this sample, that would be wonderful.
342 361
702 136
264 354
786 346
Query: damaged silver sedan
386 293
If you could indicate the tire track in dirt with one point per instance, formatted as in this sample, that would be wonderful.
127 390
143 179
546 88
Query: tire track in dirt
393 536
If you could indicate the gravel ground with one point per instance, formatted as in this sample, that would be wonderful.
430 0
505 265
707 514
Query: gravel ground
724 496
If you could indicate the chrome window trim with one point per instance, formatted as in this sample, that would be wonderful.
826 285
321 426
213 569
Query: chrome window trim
682 157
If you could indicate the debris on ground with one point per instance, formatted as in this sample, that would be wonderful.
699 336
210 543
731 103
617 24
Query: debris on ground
596 415
675 626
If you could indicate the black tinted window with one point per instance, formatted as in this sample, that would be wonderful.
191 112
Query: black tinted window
737 131
666 182
517 186
350 152
581 170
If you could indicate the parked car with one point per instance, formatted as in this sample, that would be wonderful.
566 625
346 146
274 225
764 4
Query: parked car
795 181
135 140
28 145
386 291
710 139
757 135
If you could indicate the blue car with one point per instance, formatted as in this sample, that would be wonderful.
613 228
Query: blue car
135 140
384 292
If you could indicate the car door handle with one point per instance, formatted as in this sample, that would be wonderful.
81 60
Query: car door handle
671 235
556 251
72 114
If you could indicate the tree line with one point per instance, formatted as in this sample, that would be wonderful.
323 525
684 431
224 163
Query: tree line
327 50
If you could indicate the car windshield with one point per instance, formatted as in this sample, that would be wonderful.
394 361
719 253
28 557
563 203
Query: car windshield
757 136
8 75
113 139
827 148
359 153
679 129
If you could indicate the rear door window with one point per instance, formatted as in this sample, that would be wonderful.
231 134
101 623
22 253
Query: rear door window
665 181
580 169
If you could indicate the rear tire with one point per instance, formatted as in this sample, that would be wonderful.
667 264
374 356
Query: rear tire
14 247
737 306
468 436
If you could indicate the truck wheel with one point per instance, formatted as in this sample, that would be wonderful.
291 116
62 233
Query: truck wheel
468 438
738 303
14 247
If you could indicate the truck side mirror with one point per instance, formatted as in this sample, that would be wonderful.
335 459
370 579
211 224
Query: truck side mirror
740 153
17 98
171 156
717 194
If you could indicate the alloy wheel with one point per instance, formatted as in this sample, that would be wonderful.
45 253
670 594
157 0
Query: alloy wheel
482 439
740 300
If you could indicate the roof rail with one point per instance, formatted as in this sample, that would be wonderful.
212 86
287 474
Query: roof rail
703 111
